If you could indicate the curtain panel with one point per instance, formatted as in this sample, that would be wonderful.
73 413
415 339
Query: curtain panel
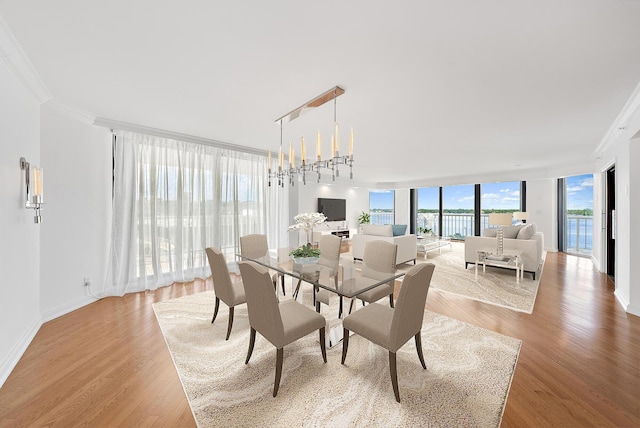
172 199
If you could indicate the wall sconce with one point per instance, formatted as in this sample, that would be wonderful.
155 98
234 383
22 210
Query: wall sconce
33 181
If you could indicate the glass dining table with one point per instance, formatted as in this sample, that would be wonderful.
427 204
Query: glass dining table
344 281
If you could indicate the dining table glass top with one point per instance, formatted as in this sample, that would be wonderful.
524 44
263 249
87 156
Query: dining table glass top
344 280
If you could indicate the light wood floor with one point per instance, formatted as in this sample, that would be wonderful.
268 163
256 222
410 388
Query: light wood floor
107 364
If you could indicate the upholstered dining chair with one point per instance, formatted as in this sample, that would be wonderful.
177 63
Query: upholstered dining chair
392 328
255 246
281 323
329 247
231 293
379 262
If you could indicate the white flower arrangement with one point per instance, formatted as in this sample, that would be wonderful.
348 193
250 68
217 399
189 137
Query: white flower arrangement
306 221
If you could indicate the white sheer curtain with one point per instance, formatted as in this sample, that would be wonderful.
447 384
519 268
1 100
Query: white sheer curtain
172 199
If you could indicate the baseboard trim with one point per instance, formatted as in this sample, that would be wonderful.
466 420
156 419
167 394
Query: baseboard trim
58 311
633 310
9 363
622 300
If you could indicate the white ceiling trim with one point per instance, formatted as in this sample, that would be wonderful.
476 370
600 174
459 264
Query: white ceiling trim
15 58
621 123
124 126
72 113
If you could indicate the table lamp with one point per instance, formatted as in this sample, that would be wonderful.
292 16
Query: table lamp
521 216
500 219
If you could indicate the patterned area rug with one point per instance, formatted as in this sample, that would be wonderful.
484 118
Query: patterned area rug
469 372
496 286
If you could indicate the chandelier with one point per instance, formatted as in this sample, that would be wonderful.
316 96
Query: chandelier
290 172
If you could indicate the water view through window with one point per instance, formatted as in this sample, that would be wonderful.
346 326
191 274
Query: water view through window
458 207
579 214
381 203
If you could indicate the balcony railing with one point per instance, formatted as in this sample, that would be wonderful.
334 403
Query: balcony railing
579 232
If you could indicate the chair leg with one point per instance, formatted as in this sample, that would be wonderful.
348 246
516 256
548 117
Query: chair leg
394 374
315 290
345 344
252 341
340 309
276 383
282 282
297 290
215 311
391 300
419 349
231 310
351 305
323 348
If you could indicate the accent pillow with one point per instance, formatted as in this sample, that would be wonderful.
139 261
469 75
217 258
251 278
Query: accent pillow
377 229
490 233
511 232
526 232
399 229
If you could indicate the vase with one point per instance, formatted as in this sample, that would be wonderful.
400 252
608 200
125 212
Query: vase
305 260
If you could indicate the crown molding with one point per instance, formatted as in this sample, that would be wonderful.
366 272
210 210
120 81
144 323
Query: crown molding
621 123
70 112
15 58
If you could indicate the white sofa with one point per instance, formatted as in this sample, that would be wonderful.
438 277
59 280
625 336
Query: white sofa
516 238
407 244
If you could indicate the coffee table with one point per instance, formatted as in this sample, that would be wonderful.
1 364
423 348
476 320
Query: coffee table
427 244
509 261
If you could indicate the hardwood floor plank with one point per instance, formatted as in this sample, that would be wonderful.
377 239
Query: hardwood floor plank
107 364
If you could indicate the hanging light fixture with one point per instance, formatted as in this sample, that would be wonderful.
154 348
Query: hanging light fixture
314 166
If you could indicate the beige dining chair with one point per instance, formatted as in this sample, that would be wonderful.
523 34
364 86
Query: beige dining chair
378 262
255 246
231 293
329 247
392 328
281 323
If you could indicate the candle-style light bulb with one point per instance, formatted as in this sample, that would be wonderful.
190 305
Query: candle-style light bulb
269 161
280 159
351 143
318 148
303 151
337 143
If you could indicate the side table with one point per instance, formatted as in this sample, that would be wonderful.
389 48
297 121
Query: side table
509 261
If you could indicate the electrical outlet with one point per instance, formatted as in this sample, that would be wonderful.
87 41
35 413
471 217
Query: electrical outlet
87 282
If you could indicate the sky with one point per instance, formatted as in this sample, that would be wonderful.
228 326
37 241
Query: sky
579 192
505 195
494 196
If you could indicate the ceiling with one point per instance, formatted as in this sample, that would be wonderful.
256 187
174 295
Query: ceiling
434 89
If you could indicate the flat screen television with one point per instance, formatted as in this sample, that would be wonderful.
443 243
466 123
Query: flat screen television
333 209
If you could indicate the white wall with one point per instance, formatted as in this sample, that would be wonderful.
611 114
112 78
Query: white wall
401 207
625 154
20 237
633 193
542 206
357 199
76 157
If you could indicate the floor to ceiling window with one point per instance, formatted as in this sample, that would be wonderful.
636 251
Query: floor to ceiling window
172 199
381 204
458 211
463 210
578 214
427 219
503 197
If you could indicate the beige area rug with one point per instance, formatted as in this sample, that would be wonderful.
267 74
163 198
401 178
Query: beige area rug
469 372
496 286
